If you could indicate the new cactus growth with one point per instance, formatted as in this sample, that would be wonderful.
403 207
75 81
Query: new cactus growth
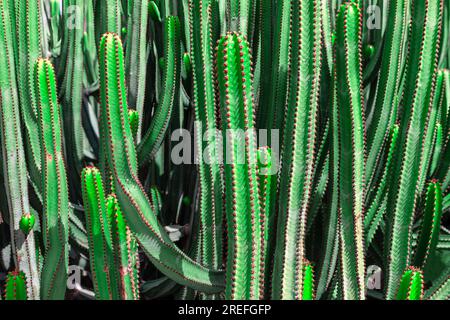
225 149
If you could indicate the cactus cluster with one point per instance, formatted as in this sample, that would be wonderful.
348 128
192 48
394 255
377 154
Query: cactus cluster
225 149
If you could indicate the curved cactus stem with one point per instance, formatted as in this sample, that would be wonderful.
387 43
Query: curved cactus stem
101 251
424 37
16 286
308 281
56 204
298 152
13 157
118 143
170 95
430 130
431 225
243 210
411 285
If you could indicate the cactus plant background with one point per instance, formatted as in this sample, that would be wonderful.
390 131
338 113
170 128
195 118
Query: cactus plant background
225 149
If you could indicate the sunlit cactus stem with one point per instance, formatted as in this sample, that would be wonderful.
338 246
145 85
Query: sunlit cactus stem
126 252
16 286
54 185
422 64
101 250
411 285
348 77
120 153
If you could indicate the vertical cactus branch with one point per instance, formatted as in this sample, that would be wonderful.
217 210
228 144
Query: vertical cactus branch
13 157
16 286
265 183
156 133
308 281
101 251
424 37
298 148
242 208
30 47
411 285
121 155
54 185
136 55
204 93
71 72
109 17
125 248
348 77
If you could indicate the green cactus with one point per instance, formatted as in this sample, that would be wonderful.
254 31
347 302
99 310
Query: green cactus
99 230
419 81
121 154
16 286
56 204
243 211
314 142
351 169
411 285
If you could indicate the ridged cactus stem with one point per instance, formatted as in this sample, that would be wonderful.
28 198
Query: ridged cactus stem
377 206
71 73
308 281
424 37
136 55
203 40
385 109
266 179
298 152
156 133
431 224
28 19
348 77
126 252
411 285
121 155
243 210
101 251
16 286
54 185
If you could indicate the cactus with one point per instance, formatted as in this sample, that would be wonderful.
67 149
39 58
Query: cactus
351 170
411 285
310 146
16 286
56 204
